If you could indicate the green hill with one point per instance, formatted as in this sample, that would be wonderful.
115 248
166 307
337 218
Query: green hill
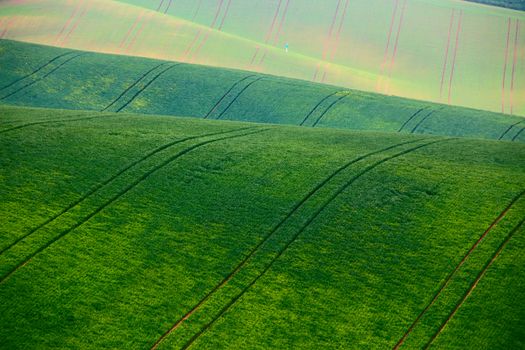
445 51
40 76
511 4
131 231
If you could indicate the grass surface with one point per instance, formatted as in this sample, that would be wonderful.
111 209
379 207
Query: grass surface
117 226
58 78
444 51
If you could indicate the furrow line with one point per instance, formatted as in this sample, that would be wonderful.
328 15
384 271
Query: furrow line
37 70
328 108
111 179
237 96
146 86
55 121
119 195
423 120
316 106
456 269
510 128
518 134
133 85
44 76
475 283
266 238
412 117
303 228
226 94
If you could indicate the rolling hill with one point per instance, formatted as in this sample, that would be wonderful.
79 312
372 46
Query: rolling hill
144 231
40 76
511 4
445 51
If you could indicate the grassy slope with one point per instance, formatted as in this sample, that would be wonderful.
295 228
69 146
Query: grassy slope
512 4
94 81
147 251
363 58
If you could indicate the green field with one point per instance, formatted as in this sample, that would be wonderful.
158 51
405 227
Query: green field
160 191
512 4
445 51
123 231
41 76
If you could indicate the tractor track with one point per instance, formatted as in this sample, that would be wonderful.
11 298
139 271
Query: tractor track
135 83
111 179
147 85
44 76
226 94
317 106
254 250
474 284
412 117
509 129
423 120
36 70
238 95
56 121
303 228
122 193
518 134
329 108
456 269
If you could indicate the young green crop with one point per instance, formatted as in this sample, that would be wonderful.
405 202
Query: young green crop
159 211
49 77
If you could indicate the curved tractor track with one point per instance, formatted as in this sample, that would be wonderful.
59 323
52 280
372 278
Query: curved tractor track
298 233
128 188
449 277
474 284
38 79
273 232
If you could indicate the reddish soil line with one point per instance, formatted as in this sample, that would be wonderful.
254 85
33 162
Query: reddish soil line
254 55
283 19
212 26
396 45
458 266
68 22
505 69
143 25
225 15
446 53
272 26
7 27
337 40
514 67
277 34
475 283
326 42
168 7
77 22
139 17
385 56
268 35
160 5
197 11
455 56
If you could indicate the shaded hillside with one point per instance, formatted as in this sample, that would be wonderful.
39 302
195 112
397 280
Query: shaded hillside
445 51
511 4
40 76
132 231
